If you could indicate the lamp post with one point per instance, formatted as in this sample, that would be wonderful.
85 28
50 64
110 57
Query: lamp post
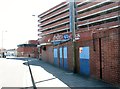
37 56
2 52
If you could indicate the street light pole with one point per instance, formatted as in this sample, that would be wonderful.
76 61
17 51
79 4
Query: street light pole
2 43
37 40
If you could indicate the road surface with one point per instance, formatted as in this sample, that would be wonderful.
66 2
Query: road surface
13 73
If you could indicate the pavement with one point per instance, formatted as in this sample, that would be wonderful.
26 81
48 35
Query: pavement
45 75
70 79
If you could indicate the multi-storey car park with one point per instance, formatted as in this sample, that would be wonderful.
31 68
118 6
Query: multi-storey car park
97 38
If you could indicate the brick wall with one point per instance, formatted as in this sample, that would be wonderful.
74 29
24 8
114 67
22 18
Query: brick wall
26 51
104 54
33 42
47 55
19 51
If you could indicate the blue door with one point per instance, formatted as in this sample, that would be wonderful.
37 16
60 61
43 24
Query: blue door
84 60
61 57
65 58
56 56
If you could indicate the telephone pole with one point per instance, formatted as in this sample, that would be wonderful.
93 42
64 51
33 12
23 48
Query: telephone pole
72 29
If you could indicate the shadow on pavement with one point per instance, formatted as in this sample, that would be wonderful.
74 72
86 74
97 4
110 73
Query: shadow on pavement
44 80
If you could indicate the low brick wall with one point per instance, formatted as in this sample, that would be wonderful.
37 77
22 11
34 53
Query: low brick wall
27 51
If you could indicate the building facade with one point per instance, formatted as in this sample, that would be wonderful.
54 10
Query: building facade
93 48
28 50
11 52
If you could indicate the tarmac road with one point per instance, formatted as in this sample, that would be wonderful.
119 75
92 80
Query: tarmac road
15 73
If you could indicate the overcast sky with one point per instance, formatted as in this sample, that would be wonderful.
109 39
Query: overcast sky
16 18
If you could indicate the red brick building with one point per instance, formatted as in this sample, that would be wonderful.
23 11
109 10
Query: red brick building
96 41
28 50
33 42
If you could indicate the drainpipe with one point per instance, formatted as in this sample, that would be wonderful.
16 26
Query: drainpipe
72 29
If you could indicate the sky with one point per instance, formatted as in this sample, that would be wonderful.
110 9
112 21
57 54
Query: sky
17 23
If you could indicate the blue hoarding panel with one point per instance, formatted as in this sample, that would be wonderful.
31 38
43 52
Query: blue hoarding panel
61 60
55 56
85 53
60 52
65 58
84 66
84 60
65 52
